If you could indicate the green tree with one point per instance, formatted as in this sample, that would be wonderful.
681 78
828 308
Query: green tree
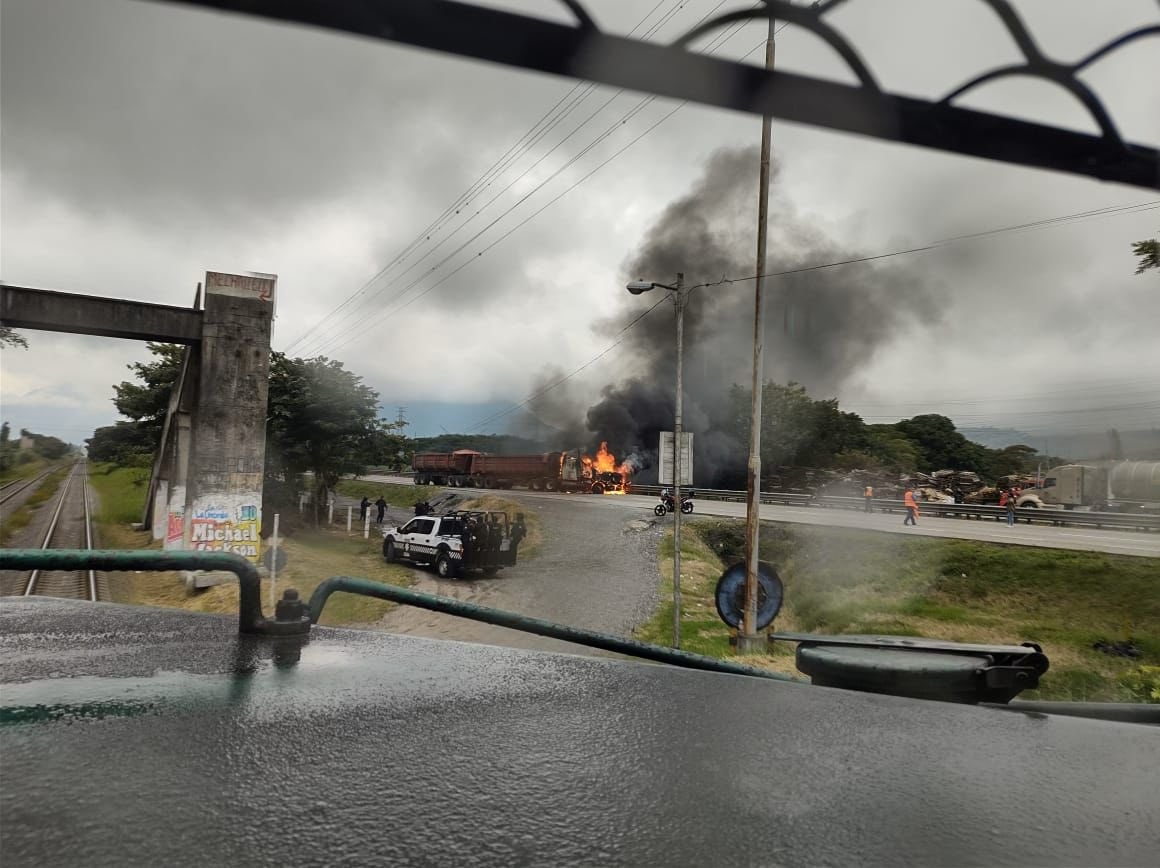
321 419
1012 460
1148 254
941 446
893 450
145 401
7 449
48 447
122 443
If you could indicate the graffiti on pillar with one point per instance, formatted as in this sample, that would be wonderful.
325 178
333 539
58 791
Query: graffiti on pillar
252 285
227 523
175 519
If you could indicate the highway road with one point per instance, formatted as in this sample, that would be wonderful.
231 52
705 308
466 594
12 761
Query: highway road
1120 542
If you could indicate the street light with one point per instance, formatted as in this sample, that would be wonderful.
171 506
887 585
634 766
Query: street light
680 296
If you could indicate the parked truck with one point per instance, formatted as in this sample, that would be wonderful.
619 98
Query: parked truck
544 471
1122 486
441 468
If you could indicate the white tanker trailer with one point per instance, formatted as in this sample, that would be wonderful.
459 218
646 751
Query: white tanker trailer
1121 486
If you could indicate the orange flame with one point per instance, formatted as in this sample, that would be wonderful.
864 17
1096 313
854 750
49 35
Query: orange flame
605 462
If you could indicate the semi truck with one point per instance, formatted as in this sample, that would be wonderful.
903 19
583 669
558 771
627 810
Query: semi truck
545 471
1122 486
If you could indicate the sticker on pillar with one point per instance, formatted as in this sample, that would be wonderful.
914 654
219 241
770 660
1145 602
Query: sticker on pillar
175 519
227 524
175 530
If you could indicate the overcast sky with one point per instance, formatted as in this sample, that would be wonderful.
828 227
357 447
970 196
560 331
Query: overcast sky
142 145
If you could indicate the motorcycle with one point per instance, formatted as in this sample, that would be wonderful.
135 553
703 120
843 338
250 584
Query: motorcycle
666 505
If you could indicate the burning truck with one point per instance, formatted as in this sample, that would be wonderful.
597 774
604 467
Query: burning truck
569 471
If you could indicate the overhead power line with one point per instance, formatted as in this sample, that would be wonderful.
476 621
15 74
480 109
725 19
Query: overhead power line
343 337
1051 221
339 341
552 118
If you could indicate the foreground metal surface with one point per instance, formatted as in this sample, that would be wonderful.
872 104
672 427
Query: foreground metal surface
172 740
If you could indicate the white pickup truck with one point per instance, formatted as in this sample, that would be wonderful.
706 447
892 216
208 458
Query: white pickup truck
457 542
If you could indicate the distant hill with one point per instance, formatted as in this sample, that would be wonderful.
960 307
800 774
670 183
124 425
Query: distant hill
499 444
429 418
1000 438
1140 445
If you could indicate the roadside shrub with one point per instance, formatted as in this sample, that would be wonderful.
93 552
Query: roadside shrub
1142 683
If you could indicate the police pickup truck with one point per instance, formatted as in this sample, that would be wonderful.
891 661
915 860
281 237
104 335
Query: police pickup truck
456 542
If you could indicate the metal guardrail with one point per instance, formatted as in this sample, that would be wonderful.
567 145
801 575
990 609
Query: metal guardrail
1029 515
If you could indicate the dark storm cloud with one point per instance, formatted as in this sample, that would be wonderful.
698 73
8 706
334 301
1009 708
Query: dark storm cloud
155 111
820 326
185 121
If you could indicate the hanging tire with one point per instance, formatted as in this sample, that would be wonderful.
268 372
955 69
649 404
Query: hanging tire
389 551
659 509
445 568
687 507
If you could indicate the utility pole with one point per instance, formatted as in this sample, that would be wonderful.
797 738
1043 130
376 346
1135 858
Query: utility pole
679 299
749 640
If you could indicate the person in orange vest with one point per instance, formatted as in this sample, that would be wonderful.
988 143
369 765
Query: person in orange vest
868 493
911 507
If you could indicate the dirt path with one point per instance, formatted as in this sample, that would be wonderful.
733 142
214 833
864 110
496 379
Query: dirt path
596 569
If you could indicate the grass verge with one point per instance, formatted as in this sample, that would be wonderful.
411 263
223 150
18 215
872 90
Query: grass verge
405 496
23 470
119 502
848 581
20 517
531 544
312 555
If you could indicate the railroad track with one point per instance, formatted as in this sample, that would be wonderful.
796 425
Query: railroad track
66 533
10 489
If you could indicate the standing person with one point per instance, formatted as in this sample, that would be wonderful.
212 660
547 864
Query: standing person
868 493
381 505
1011 508
911 507
363 506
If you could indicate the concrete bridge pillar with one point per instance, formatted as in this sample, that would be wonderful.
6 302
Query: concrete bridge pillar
217 451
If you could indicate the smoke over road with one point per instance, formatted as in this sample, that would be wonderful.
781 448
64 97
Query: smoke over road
820 326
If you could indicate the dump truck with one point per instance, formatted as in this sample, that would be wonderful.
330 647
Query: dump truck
542 471
441 468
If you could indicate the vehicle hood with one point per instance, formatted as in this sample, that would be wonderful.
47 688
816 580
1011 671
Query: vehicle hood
147 736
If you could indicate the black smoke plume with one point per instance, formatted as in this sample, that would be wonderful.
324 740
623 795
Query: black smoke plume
819 326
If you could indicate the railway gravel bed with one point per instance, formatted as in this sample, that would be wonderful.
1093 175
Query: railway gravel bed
70 532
